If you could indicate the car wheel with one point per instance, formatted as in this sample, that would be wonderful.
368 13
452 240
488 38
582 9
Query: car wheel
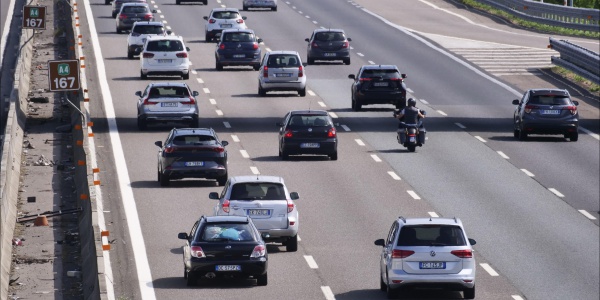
574 136
221 180
119 31
522 135
516 133
262 280
302 92
310 60
245 8
205 2
256 68
143 76
206 37
356 106
185 273
469 293
333 156
185 76
390 292
382 285
164 180
190 279
178 2
107 2
284 155
347 61
274 8
291 245
141 124
129 55
218 66
261 91
114 15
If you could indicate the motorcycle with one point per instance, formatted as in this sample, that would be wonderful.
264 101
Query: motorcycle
411 135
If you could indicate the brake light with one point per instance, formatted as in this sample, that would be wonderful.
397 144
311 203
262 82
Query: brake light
259 251
222 46
255 45
196 251
122 17
300 71
528 108
572 109
331 132
191 101
240 21
169 149
290 206
266 72
364 79
462 253
395 79
148 55
345 45
288 134
146 101
314 45
402 253
211 21
148 17
225 206
181 54
219 149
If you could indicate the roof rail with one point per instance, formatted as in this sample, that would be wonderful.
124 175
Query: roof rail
402 218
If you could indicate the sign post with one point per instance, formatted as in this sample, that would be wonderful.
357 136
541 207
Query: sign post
34 17
63 75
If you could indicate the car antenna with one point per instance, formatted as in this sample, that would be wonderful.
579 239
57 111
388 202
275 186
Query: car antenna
309 103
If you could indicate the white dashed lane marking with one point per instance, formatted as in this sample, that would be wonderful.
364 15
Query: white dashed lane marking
480 139
442 113
527 172
308 17
517 297
371 62
328 293
219 112
587 214
594 135
346 128
206 90
200 80
164 21
244 154
375 158
414 195
360 54
394 175
254 170
556 192
322 104
212 101
333 115
226 124
460 125
503 155
235 138
315 22
489 269
311 93
433 214
311 262
194 72
359 142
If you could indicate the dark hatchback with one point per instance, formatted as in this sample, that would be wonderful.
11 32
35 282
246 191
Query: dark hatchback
192 153
224 247
546 111
131 13
328 44
116 5
238 47
378 84
307 132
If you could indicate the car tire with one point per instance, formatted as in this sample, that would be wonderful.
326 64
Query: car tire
333 156
256 67
522 135
469 293
382 285
574 136
114 15
516 133
274 8
185 273
185 76
284 155
177 2
205 2
262 280
356 105
107 2
218 66
261 91
310 60
245 8
190 279
143 76
411 148
391 293
221 180
119 31
165 181
141 124
302 92
207 38
291 245
129 55
347 61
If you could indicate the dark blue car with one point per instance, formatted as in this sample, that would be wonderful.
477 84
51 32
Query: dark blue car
238 47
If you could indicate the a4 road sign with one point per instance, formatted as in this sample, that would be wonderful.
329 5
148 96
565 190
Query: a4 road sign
63 75
34 17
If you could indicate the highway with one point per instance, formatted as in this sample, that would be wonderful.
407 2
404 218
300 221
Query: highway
538 242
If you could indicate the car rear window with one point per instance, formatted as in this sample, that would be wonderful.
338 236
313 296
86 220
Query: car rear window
257 191
384 73
309 121
283 60
164 46
169 91
549 100
194 140
239 37
135 9
225 14
330 36
149 29
221 232
431 235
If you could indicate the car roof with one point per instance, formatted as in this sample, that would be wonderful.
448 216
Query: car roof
378 67
309 112
283 52
184 131
152 23
165 37
255 178
225 9
328 30
135 4
228 219
168 84
428 221
561 92
238 30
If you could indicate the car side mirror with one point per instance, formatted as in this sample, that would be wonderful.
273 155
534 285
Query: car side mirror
352 76
403 75
515 102
380 242
205 18
138 93
265 235
169 32
213 195
349 39
154 11
187 49
182 236
195 93
244 18
294 195
259 41
576 102
472 242
158 143
279 124
224 143
336 124
307 40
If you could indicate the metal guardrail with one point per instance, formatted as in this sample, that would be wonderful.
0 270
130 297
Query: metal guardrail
581 61
585 19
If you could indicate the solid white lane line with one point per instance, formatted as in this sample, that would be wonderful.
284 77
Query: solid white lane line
254 170
517 297
311 92
235 138
480 139
371 62
162 16
424 101
244 154
442 113
226 124
311 262
587 214
433 214
212 101
328 293
527 172
414 195
503 155
460 125
322 104
346 128
359 142
489 269
332 114
594 135
394 175
360 54
200 80
206 90
375 158
556 192
409 90
219 112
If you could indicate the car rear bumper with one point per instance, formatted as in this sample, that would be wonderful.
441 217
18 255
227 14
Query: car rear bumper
323 54
168 117
325 147
196 172
381 97
255 61
448 281
165 70
280 235
544 127
201 267
284 86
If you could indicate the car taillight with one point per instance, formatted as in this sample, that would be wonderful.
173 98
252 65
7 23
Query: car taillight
331 132
290 206
222 46
300 71
266 72
572 109
169 149
146 101
240 21
181 54
528 108
364 79
288 134
148 55
259 251
226 206
219 149
122 17
395 79
196 251
255 45
148 17
345 45
462 253
402 253
314 45
191 101
211 21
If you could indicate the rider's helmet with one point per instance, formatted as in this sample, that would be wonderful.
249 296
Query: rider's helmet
412 102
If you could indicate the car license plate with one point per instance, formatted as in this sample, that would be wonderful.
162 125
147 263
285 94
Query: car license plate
283 74
380 83
550 112
136 19
329 54
169 104
259 212
194 163
239 55
309 145
228 268
432 265
225 25
164 61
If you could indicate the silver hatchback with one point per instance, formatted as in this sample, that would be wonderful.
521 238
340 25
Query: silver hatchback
427 253
282 71
167 102
267 201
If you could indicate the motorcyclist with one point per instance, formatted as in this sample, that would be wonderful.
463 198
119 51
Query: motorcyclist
410 115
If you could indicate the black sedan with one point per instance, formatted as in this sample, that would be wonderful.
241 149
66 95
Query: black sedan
307 132
546 111
192 153
238 47
224 247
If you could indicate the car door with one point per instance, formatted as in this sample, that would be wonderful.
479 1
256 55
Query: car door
386 252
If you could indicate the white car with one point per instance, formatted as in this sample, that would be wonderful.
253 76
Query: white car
221 19
267 201
427 253
140 32
165 55
272 4
282 71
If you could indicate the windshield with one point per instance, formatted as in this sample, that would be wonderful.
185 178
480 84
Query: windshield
330 37
258 191
280 61
549 100
164 46
309 121
239 37
383 73
225 15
